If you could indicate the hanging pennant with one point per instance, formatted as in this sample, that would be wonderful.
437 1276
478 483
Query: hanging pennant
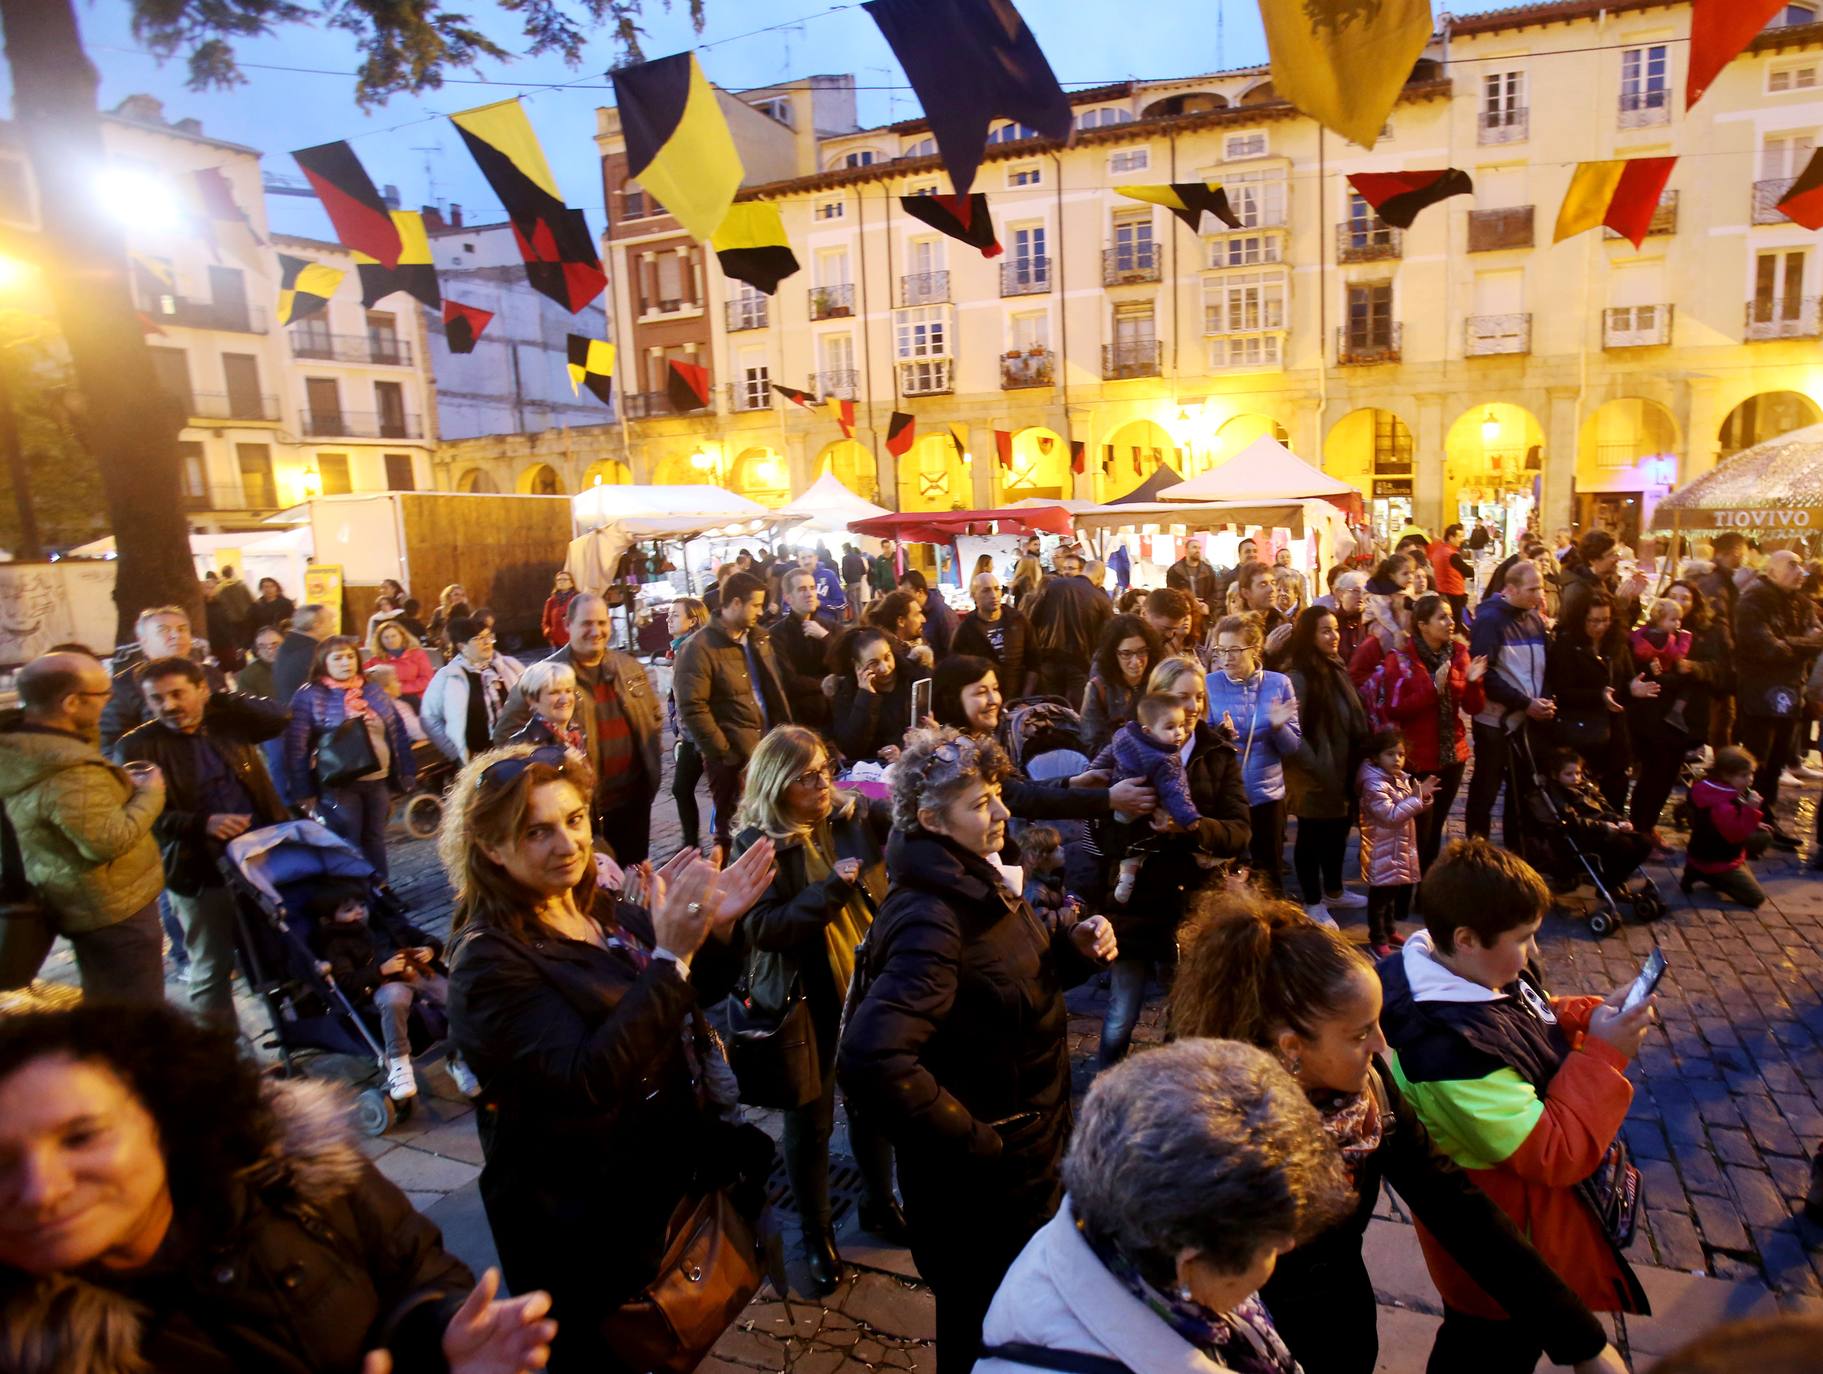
687 386
1003 447
1188 200
1719 30
592 365
361 219
1397 197
961 217
678 145
212 203
1344 62
843 413
901 430
792 394
462 325
969 61
553 240
1078 456
304 287
1137 469
1803 203
415 274
751 246
1107 460
1621 194
958 435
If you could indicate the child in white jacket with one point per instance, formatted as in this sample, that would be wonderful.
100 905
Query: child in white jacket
1391 803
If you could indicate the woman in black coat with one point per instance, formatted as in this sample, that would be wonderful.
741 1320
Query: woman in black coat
1265 974
579 1014
1589 673
1125 656
874 681
958 1046
1706 672
802 933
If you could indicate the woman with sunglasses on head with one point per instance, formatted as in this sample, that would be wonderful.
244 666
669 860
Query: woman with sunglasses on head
802 932
579 1010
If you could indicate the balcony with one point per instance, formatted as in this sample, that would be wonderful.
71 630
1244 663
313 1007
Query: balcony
1782 317
385 350
217 405
644 405
832 302
360 424
747 312
1664 218
1025 277
1490 231
1493 336
1360 241
1136 262
841 382
1636 326
1368 347
1030 367
924 288
1643 109
1766 198
1503 126
749 396
929 377
1137 358
1250 349
236 317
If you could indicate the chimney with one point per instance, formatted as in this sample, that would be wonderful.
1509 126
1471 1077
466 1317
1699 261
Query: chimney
455 216
390 194
142 109
433 219
189 126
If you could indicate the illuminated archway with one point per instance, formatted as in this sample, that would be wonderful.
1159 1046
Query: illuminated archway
761 475
854 466
475 480
540 479
933 477
1626 457
676 470
1040 470
1234 434
1766 416
1493 459
609 472
1130 455
1374 450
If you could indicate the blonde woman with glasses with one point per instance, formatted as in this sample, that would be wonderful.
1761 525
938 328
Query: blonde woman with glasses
803 932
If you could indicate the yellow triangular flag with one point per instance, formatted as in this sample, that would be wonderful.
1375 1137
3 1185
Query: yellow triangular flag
1344 62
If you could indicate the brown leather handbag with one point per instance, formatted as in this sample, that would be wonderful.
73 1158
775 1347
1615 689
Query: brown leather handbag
710 1272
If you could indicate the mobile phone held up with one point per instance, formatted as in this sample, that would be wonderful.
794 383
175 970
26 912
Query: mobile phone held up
920 702
1647 981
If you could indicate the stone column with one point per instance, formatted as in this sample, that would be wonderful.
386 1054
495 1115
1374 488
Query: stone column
1427 476
1560 454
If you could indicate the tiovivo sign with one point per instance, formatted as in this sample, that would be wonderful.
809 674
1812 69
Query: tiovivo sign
1798 519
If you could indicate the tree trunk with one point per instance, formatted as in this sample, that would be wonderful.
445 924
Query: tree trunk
129 428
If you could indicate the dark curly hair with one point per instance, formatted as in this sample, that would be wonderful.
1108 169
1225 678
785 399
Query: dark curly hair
201 1089
1117 632
953 674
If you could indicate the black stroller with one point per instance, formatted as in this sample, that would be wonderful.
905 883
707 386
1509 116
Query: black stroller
272 873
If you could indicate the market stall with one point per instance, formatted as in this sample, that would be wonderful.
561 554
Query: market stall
1772 491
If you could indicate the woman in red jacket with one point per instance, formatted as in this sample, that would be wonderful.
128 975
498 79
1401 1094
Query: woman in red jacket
395 645
1431 682
557 610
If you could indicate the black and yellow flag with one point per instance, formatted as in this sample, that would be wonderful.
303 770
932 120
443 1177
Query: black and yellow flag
362 222
1188 200
842 411
592 365
553 239
678 144
304 287
462 325
415 275
751 246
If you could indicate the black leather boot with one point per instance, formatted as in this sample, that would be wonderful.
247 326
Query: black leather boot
886 1221
825 1263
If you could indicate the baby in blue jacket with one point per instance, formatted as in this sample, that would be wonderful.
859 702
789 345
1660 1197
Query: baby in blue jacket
1151 748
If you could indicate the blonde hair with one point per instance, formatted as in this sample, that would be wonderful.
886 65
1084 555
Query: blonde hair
543 675
374 646
785 752
1173 670
1663 604
1248 626
695 611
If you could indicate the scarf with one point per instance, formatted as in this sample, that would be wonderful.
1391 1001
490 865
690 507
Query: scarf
354 700
1243 1340
842 934
1433 659
1356 1122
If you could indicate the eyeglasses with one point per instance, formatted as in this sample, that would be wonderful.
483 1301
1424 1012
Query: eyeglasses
1230 653
1130 655
814 777
506 771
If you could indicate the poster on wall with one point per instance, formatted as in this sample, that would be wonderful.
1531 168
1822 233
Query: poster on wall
323 587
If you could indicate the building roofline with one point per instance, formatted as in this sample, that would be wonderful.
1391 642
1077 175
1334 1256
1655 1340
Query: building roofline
1789 36
303 241
172 131
1545 12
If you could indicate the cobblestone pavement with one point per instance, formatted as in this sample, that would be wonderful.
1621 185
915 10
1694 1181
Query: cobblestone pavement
1727 1109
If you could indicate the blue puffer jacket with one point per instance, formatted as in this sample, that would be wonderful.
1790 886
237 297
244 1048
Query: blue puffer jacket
316 710
1134 754
1262 748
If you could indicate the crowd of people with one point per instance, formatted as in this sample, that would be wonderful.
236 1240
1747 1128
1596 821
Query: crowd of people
923 828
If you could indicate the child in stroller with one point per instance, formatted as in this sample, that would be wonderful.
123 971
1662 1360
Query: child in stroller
376 955
1149 749
1573 814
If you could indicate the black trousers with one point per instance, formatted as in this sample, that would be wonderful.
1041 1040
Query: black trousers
1317 853
1657 762
807 1134
1495 762
625 822
1484 1346
1326 1316
725 798
1063 677
686 772
1432 822
1768 739
1266 850
1386 906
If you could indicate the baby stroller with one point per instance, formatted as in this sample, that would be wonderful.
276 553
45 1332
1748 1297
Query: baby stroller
423 813
1043 737
271 873
1550 846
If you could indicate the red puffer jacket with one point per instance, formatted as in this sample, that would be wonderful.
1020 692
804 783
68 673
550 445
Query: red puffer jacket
1410 698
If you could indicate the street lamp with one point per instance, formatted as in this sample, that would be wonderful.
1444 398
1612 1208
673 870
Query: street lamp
1490 428
313 482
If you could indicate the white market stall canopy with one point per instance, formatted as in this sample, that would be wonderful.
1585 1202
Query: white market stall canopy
829 505
1265 471
1199 515
662 512
204 549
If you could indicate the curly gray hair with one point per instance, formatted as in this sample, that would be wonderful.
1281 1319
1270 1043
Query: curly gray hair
1204 1145
934 768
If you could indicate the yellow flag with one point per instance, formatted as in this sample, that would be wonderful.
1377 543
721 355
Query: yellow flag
1344 62
1586 203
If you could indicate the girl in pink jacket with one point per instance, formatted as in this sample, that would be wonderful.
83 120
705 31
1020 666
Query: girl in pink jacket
1391 803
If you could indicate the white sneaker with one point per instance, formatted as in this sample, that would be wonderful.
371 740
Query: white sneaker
1320 914
1799 770
1123 887
401 1080
461 1075
1348 901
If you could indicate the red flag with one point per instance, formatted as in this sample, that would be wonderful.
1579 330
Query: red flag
1398 196
1077 450
1803 203
791 393
1003 447
355 207
900 431
688 386
1719 29
462 325
843 413
1137 469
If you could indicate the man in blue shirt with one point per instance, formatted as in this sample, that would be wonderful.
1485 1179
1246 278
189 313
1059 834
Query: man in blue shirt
829 584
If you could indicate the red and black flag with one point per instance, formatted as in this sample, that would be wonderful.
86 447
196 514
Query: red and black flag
554 240
462 325
751 246
362 222
591 364
969 61
791 393
843 413
1078 456
900 431
1803 203
688 386
958 435
1188 200
415 275
1397 197
1003 447
961 217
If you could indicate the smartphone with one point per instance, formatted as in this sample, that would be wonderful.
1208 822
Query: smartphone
1644 985
920 702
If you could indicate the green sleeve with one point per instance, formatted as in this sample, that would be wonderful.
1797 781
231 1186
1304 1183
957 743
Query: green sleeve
1478 1122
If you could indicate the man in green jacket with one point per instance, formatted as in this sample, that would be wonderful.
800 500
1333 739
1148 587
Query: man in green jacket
85 829
883 572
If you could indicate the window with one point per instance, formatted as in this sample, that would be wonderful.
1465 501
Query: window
1797 14
1103 118
1392 445
1135 328
310 337
1028 247
1028 174
389 407
778 107
383 344
1238 146
1133 240
195 473
1645 79
171 367
1130 160
922 332
1030 332
923 256
1503 107
837 352
754 389
255 462
829 209
1778 285
400 475
1782 156
1245 250
632 201
863 157
332 470
922 188
1370 316
1244 303
242 373
1257 198
924 147
1012 133
832 267
1795 78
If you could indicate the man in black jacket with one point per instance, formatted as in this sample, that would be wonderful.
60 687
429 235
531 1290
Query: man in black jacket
1775 638
939 619
291 669
162 632
216 787
801 639
1066 620
1723 595
997 633
1190 574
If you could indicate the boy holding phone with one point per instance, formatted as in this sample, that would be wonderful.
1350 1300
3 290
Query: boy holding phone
1525 1091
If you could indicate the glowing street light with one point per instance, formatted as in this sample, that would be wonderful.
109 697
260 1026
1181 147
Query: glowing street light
1490 427
14 273
138 198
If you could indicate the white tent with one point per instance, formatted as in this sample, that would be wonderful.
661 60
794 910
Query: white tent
829 505
1264 471
661 507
